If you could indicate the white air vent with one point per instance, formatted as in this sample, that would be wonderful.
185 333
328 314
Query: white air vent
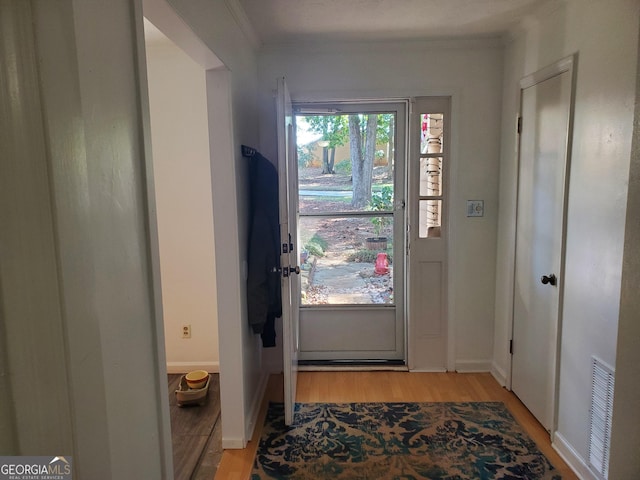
602 380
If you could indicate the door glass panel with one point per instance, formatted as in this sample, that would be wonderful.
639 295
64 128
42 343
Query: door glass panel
431 137
346 260
431 176
346 167
430 218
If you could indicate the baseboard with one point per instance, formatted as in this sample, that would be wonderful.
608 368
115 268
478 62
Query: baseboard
184 367
499 374
473 366
428 370
254 412
571 458
233 443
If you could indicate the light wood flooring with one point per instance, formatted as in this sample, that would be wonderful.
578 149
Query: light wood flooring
339 387
196 433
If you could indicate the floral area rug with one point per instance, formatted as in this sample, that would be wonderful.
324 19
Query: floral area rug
398 441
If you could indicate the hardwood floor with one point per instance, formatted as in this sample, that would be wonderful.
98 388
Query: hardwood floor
337 387
196 433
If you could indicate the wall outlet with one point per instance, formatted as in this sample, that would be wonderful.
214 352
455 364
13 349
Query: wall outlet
475 208
186 331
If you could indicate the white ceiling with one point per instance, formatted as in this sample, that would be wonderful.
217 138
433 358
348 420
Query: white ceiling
287 21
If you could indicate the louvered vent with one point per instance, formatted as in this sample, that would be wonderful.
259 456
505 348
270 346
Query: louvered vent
602 380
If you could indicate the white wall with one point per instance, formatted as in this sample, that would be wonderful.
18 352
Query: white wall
182 174
469 71
605 35
625 437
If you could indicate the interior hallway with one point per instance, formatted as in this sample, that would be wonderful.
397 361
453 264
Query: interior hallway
388 386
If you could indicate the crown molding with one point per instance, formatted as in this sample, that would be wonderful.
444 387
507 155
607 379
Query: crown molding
241 18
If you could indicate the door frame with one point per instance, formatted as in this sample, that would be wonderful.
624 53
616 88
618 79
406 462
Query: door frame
289 248
402 106
564 65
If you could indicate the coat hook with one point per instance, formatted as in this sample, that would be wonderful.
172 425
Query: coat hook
248 151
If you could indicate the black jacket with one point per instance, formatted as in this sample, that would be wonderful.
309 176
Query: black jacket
264 300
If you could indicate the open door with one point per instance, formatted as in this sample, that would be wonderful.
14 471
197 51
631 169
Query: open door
287 177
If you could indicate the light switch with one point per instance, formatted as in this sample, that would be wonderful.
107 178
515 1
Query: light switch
475 208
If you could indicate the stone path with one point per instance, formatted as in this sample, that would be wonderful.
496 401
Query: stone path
339 282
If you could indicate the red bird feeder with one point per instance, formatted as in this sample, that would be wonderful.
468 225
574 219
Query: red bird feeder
382 264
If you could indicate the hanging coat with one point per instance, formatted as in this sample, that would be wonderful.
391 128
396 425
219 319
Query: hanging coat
264 301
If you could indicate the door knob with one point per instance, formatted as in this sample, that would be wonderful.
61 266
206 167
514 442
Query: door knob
549 279
286 271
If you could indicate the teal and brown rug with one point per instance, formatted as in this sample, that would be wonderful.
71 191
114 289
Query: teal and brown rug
367 441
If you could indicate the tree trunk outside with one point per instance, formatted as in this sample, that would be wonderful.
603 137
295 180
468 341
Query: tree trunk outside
355 146
332 159
326 168
362 160
391 150
369 154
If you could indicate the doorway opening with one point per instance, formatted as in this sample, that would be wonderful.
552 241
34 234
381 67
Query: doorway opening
350 199
179 126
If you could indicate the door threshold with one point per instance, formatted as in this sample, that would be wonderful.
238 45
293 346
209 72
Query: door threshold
351 365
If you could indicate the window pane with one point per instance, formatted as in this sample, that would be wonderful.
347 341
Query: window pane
431 138
329 179
346 260
429 218
431 176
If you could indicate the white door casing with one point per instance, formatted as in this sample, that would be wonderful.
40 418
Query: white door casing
287 177
540 231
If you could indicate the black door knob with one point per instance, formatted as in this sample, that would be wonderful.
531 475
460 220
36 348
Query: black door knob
549 279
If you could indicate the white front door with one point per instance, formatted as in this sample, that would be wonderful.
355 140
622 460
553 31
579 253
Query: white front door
289 246
545 112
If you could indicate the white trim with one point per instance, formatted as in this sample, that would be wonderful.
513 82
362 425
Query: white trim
499 374
153 252
475 366
254 411
233 443
184 367
428 370
162 15
571 457
561 66
240 16
455 116
384 46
